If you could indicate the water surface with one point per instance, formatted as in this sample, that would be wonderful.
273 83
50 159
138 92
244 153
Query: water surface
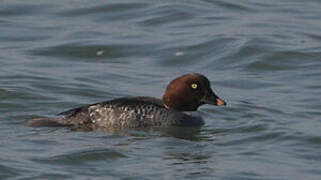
263 58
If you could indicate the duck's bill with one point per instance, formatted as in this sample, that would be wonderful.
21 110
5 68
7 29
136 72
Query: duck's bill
214 100
220 102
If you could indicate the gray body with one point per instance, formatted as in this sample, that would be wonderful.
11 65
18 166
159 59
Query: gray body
129 112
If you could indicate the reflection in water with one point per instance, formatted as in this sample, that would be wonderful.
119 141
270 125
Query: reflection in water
81 157
188 133
183 156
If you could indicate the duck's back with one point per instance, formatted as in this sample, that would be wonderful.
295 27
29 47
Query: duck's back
122 112
129 112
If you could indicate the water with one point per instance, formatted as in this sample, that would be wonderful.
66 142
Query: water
263 58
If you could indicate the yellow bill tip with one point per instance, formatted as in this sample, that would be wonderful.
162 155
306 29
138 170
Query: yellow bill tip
220 102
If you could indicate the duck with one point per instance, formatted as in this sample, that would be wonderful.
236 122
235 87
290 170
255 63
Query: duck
183 94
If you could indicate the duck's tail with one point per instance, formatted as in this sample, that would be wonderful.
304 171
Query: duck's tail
44 121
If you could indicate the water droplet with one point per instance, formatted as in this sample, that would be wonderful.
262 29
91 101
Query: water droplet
99 53
179 53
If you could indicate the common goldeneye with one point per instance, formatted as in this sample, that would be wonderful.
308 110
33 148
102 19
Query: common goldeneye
185 93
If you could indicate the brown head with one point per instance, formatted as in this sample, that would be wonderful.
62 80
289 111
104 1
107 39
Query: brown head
188 92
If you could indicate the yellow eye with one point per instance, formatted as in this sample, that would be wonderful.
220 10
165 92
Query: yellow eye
194 85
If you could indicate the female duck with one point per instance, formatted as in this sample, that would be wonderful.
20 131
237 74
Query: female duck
185 93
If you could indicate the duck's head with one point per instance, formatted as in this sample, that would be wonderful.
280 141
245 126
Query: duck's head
188 92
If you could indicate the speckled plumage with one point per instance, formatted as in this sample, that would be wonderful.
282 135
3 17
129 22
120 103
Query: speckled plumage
129 112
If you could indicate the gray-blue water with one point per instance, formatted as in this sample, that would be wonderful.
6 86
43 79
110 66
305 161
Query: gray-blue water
262 57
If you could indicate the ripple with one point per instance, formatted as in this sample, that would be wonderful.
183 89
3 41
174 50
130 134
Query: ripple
234 6
112 9
82 157
165 14
23 9
112 51
8 172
